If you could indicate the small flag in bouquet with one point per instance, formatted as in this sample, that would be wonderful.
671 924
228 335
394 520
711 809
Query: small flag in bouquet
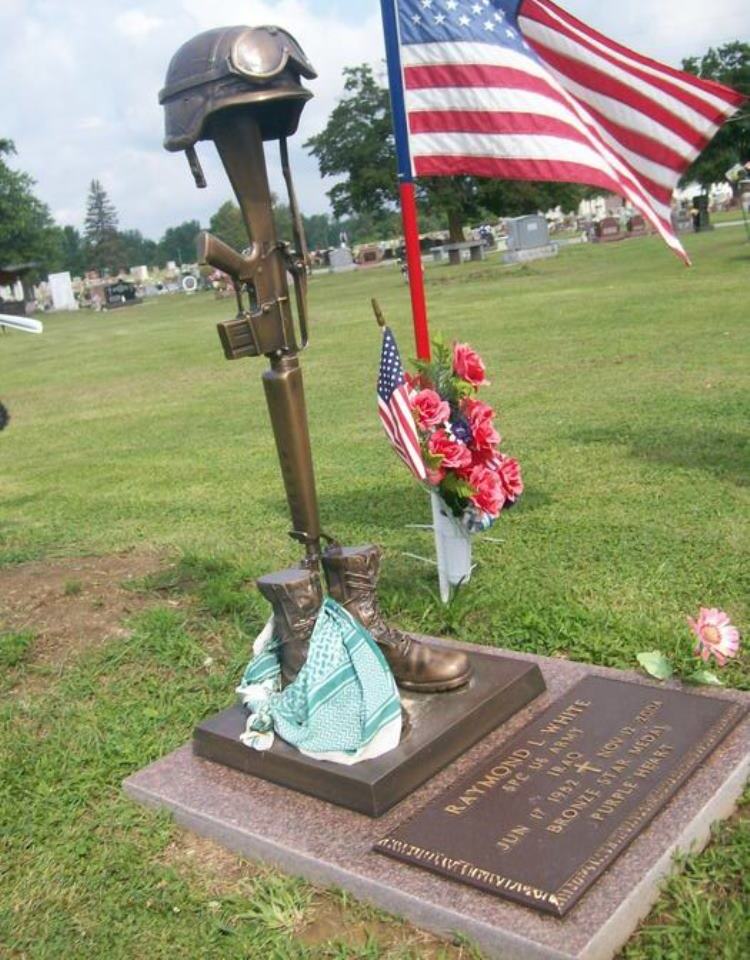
447 438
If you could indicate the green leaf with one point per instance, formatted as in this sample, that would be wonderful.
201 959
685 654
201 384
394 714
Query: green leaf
705 677
656 665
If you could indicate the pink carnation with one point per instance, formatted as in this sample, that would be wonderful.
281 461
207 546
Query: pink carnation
429 409
510 475
488 491
455 454
468 365
486 438
477 412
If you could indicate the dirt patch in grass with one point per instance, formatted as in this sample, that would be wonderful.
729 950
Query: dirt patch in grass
221 873
71 605
331 921
327 918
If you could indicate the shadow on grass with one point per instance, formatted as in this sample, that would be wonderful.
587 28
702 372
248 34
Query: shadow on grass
724 454
382 508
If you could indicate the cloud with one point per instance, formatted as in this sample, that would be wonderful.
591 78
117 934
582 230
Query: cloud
93 111
136 23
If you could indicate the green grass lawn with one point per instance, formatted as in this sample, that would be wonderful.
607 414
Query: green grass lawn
621 379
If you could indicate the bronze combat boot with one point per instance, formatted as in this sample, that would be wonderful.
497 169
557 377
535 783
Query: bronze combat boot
352 575
296 596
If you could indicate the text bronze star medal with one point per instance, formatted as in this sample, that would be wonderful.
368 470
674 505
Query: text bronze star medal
541 820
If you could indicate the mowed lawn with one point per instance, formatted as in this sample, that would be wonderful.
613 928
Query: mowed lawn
621 380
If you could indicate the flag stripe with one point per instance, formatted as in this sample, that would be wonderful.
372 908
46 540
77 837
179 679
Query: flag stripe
581 46
578 152
428 111
723 98
503 72
635 110
486 121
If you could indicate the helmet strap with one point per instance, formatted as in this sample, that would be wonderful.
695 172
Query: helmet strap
195 167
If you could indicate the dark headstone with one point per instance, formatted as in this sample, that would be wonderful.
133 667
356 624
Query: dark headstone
608 230
541 820
637 226
701 216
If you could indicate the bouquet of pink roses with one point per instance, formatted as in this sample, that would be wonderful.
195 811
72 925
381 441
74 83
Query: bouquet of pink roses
460 445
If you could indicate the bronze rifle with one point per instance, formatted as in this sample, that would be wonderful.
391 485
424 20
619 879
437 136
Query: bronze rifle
265 323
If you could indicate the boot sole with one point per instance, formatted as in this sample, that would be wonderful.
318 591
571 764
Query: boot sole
444 687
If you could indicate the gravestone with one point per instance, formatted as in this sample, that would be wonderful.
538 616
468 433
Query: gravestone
341 261
528 239
701 215
61 291
637 226
608 230
526 233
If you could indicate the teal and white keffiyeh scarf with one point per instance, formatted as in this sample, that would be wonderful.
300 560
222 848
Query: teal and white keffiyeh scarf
343 706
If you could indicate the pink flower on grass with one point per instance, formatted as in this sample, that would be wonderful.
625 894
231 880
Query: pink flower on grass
429 409
468 365
716 635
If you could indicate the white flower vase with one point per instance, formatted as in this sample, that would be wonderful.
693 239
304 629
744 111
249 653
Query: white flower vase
453 548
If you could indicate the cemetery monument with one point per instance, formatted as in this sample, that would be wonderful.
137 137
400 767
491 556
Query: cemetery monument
517 786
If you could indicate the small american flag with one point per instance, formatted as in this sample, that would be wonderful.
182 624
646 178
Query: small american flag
521 90
394 408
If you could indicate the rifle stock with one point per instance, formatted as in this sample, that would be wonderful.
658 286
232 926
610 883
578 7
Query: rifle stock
221 256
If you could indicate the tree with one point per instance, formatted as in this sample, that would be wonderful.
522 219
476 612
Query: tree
178 243
358 143
71 251
515 198
137 250
730 65
27 231
227 224
104 245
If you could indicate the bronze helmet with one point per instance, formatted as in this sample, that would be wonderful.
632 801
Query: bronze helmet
231 67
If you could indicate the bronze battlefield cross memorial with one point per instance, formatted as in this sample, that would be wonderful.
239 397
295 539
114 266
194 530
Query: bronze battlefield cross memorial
520 785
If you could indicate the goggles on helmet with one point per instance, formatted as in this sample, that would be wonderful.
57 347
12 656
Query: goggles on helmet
264 52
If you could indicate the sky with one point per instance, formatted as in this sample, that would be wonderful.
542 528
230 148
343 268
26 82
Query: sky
79 81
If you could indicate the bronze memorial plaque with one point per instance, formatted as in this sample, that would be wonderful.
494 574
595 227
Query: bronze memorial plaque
542 819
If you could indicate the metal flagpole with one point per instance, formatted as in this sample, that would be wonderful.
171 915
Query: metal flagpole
407 193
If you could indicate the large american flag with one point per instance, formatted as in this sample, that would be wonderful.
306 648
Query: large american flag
394 408
521 90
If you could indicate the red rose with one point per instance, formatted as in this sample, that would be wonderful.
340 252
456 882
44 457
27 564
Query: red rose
510 476
429 409
468 365
455 455
488 496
